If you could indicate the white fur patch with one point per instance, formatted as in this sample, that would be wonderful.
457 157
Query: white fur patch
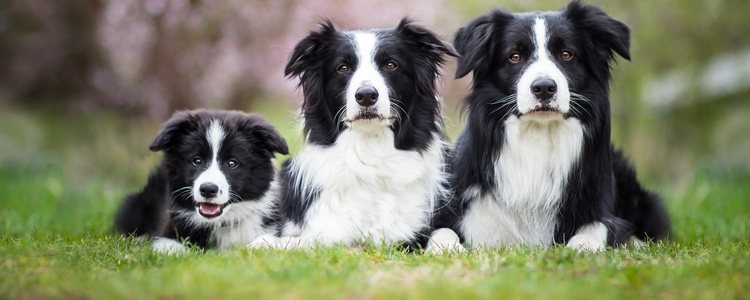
531 174
243 221
215 136
543 66
444 241
367 73
589 238
369 190
167 246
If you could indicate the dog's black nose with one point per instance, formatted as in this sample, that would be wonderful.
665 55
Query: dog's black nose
543 89
366 95
208 190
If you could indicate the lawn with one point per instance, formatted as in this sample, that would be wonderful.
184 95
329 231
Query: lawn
61 180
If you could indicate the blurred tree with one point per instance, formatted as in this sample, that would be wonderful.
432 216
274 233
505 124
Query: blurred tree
48 49
155 56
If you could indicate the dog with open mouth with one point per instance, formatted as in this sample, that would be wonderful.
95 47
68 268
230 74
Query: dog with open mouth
535 164
215 186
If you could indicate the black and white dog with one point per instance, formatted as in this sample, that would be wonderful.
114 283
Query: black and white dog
534 165
373 166
214 187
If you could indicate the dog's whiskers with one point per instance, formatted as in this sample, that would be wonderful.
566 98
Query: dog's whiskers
338 117
576 104
505 99
395 104
504 103
510 111
503 106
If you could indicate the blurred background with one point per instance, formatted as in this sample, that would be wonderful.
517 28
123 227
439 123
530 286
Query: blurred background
84 85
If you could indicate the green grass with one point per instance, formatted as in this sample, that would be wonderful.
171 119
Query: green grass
56 208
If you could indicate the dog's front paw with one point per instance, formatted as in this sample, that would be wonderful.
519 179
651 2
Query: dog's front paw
585 243
591 237
444 241
168 246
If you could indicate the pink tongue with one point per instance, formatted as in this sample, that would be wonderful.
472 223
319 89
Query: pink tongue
209 209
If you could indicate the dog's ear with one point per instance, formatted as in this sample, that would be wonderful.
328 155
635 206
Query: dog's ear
179 124
426 40
474 42
259 128
605 32
303 56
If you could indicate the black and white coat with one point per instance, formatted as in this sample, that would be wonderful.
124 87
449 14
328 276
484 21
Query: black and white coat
373 166
215 187
535 165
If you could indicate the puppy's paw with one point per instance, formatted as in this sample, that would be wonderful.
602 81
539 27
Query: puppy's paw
264 241
444 241
168 246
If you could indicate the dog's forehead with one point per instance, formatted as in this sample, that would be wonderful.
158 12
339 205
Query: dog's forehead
383 36
211 123
529 19
376 42
357 37
523 25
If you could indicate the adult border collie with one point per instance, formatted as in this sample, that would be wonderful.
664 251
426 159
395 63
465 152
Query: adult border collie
214 187
373 166
535 165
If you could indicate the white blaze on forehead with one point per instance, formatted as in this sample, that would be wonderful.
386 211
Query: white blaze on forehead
215 137
366 72
540 39
542 65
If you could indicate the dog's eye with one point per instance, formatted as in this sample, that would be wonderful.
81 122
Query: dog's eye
343 69
390 66
566 55
232 164
515 58
197 161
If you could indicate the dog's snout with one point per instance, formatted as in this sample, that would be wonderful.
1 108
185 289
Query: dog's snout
366 95
209 190
544 89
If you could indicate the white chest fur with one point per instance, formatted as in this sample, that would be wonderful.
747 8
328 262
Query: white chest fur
244 221
368 188
531 172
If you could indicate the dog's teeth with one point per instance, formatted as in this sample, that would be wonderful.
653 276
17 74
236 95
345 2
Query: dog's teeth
209 209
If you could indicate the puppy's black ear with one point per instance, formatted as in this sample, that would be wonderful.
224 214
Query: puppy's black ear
426 40
303 56
258 127
474 42
179 124
605 32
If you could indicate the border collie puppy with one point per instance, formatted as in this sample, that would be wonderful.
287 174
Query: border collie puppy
535 165
214 187
373 166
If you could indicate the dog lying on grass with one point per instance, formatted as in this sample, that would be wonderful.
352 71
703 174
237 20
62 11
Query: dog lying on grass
214 186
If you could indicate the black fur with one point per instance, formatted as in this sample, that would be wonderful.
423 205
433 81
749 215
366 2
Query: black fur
248 139
601 186
145 212
644 210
